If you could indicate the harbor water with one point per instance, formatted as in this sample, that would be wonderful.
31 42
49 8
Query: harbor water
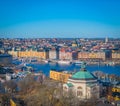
46 67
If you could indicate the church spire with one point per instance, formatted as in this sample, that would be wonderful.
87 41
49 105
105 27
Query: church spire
83 66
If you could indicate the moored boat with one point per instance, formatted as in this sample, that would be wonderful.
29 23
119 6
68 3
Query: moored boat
63 62
78 62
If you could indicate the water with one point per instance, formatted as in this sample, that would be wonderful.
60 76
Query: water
45 68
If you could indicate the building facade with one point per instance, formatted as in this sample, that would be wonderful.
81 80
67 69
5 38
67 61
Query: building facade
52 54
65 54
59 76
5 59
38 54
13 53
116 55
114 94
91 55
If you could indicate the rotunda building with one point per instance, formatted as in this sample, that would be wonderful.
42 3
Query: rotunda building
83 84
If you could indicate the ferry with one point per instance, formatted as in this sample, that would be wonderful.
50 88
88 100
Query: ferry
63 62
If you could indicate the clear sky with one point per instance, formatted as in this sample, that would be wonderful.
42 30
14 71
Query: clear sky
59 18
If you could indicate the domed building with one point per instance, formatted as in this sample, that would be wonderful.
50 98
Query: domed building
83 84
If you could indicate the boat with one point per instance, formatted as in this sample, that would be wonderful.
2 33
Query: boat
45 61
52 61
63 62
111 63
33 60
78 62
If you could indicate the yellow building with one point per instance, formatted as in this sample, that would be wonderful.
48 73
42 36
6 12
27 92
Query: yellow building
41 54
13 53
100 55
59 76
116 89
74 45
91 55
82 55
115 94
115 55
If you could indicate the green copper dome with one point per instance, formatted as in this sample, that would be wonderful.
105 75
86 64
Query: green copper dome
83 75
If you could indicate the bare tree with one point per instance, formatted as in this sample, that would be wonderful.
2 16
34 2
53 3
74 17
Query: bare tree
10 86
27 84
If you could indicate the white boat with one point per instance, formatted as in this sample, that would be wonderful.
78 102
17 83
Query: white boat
63 62
46 61
52 62
111 63
33 60
78 62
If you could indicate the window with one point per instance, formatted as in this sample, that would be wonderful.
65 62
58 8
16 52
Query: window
79 93
65 88
79 87
94 89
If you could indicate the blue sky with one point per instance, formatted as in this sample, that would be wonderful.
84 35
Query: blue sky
59 18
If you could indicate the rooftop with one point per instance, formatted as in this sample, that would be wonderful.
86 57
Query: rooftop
83 75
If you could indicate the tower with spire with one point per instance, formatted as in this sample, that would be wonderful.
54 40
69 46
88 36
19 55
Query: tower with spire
106 40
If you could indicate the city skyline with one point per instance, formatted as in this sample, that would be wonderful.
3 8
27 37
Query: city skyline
62 19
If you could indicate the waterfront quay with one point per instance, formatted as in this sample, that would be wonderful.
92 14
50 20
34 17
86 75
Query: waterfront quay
92 50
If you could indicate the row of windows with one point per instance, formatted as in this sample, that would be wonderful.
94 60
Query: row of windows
79 92
80 88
